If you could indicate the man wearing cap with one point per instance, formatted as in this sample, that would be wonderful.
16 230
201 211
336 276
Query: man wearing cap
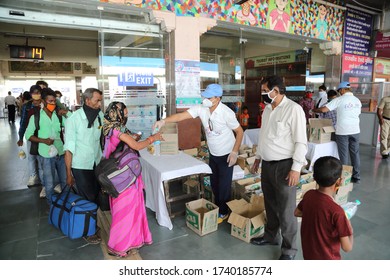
383 113
220 124
348 108
282 147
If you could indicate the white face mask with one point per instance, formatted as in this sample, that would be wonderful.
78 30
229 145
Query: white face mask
207 103
267 98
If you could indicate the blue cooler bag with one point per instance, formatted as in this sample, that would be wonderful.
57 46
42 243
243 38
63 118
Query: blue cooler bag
73 215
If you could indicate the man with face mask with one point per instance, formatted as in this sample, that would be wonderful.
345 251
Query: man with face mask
220 124
82 148
282 148
28 109
50 145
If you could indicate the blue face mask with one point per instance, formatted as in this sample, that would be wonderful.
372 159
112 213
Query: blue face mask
267 98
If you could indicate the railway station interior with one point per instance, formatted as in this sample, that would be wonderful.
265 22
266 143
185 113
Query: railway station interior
156 57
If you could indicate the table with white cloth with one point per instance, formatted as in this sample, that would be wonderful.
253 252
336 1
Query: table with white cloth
315 151
251 137
157 169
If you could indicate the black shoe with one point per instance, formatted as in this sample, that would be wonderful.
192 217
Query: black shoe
286 257
385 156
355 181
260 241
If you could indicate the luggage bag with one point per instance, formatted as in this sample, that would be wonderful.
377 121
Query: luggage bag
72 214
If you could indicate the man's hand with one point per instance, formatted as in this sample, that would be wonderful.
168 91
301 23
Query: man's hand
293 178
232 158
70 180
380 121
20 143
158 124
62 112
48 141
255 166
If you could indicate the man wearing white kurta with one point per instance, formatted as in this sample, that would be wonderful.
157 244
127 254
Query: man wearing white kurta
348 108
282 148
219 123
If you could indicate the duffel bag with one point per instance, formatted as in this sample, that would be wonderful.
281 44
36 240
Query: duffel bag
72 214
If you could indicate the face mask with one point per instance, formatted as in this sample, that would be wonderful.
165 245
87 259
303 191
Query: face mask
266 97
51 107
36 96
207 103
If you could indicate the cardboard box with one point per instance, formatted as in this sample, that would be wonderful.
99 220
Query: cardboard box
247 219
343 193
191 186
192 152
320 130
171 144
346 175
245 161
202 216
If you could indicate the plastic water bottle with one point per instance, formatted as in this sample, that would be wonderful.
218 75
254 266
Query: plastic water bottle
350 208
156 145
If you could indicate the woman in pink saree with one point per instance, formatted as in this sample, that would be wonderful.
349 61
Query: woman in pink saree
129 227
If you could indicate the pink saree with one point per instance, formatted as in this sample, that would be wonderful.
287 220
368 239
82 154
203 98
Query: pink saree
129 226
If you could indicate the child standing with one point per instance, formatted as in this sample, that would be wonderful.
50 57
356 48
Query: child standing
324 224
244 118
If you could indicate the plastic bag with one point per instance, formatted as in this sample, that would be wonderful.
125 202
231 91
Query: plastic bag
350 208
21 154
53 151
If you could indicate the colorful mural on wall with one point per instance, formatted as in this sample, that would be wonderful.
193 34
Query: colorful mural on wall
299 17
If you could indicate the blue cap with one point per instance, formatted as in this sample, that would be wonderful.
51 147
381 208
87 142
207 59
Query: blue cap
212 90
343 85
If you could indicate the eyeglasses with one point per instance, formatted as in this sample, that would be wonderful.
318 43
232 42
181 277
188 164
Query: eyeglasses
210 125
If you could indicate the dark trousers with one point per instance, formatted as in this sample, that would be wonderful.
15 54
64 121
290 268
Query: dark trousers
280 203
11 113
87 185
221 181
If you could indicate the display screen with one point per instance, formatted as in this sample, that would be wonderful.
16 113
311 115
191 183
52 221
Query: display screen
26 52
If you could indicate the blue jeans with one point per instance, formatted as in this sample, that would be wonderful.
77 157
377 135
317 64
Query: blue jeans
33 167
349 144
50 166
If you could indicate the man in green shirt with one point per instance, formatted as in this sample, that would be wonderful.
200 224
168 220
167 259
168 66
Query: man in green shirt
50 147
82 148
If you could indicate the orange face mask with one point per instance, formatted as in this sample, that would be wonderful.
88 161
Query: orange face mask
51 107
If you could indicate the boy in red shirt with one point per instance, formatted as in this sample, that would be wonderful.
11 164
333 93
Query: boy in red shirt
324 224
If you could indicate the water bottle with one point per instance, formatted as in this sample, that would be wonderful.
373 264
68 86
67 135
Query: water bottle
156 145
350 208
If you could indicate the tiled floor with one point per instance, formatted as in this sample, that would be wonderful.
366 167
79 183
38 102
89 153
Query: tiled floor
26 235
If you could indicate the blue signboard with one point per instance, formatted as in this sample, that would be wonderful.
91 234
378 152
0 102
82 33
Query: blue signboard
357 32
132 79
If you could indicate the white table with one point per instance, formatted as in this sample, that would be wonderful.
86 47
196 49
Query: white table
315 151
251 137
157 169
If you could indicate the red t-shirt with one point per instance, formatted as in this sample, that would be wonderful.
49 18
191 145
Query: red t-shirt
323 224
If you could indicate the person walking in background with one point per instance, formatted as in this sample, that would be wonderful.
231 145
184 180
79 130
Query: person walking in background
10 104
82 148
307 104
28 109
129 227
348 108
282 148
325 226
244 118
383 113
220 124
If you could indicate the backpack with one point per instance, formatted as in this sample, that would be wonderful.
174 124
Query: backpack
37 116
119 171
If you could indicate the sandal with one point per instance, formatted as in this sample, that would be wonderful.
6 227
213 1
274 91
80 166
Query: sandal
93 239
116 255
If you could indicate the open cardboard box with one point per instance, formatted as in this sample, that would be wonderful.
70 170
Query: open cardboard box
202 216
247 219
320 130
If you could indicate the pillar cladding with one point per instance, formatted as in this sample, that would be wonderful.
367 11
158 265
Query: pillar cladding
332 71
